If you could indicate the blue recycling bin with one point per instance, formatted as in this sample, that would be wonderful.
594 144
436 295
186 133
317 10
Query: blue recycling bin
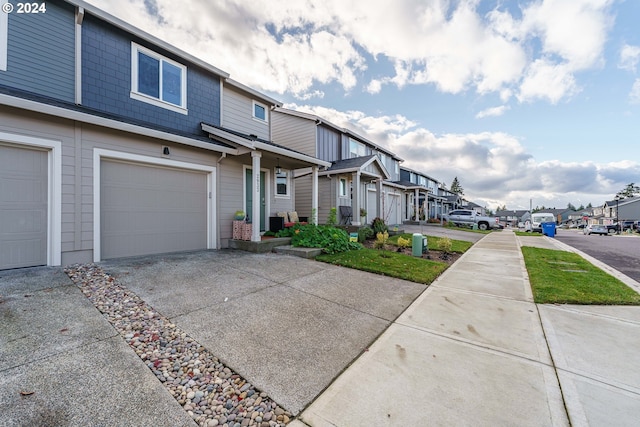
549 229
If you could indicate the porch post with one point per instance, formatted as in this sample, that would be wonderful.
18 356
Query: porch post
379 202
255 188
416 203
314 195
355 199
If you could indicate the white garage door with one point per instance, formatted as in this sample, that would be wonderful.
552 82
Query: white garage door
23 207
150 209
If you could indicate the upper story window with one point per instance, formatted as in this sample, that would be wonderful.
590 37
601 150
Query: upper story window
259 111
356 149
422 181
4 35
396 167
282 184
158 80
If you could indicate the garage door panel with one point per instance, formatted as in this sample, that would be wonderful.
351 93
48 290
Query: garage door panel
23 207
148 209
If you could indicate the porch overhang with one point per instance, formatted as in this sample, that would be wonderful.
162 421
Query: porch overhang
248 143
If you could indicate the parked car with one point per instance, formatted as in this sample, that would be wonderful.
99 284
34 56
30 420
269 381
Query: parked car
596 229
467 217
625 225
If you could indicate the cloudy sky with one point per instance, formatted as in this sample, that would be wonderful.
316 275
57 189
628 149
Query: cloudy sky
521 100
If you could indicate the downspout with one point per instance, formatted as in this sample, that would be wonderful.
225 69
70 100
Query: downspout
218 174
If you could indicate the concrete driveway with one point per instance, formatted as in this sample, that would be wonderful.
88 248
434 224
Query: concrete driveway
287 325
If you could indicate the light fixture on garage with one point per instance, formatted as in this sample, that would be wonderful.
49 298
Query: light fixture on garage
278 168
165 151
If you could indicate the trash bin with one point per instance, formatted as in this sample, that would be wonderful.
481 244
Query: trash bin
549 229
416 244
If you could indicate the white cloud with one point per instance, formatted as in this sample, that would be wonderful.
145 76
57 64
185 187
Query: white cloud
629 57
547 80
634 95
293 46
492 112
492 166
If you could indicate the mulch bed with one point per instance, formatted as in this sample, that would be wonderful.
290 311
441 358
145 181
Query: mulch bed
432 254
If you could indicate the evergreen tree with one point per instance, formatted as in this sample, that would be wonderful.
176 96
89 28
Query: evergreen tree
629 191
456 188
570 206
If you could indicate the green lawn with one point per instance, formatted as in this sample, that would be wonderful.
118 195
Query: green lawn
458 246
388 263
566 278
527 233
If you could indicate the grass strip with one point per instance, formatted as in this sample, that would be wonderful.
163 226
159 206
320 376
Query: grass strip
457 246
559 277
388 263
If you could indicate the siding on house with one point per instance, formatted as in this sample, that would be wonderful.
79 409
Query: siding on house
34 63
328 143
294 132
106 82
238 114
78 143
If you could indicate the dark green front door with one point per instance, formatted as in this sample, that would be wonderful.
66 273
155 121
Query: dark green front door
249 200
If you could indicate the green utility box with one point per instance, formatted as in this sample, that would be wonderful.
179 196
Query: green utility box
418 244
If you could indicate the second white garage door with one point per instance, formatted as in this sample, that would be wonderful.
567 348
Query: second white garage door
150 209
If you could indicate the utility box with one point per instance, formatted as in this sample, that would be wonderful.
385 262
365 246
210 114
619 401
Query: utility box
418 244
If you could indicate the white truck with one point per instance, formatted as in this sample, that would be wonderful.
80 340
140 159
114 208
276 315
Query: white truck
469 217
538 218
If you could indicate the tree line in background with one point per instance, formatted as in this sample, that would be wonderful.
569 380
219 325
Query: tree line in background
631 190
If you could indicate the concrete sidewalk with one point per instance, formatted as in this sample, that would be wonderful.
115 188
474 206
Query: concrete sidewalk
475 350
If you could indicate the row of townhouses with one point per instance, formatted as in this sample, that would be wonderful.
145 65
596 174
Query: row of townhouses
114 143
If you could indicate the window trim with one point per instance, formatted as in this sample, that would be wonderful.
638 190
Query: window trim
4 37
342 189
288 184
135 94
253 112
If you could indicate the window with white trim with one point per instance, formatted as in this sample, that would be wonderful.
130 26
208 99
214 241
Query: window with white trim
259 111
282 184
343 187
158 80
4 37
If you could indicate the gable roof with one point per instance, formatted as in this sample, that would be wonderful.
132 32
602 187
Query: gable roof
358 164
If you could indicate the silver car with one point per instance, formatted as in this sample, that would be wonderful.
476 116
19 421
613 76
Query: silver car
596 229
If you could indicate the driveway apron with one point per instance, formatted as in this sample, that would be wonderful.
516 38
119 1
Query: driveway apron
286 324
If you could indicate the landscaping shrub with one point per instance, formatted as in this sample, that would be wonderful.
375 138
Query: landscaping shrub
364 233
332 219
381 240
378 225
331 239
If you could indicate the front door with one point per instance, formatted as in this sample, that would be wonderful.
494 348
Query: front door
249 197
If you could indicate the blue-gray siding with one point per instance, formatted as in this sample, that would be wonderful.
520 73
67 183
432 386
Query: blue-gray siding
106 82
328 144
41 52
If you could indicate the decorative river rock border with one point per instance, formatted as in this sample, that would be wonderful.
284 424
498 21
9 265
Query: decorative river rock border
211 393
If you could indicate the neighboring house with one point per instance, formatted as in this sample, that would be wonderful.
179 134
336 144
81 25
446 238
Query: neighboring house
623 210
114 143
559 214
361 175
512 217
421 199
481 210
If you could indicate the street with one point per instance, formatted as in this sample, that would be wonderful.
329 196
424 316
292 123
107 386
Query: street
621 252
